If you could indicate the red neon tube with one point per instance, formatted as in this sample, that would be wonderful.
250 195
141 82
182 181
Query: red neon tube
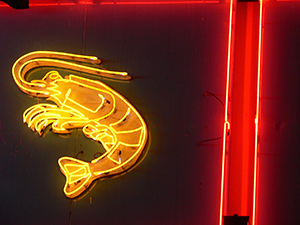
259 73
53 3
226 122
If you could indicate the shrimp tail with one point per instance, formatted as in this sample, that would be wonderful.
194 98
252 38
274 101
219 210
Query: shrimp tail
78 176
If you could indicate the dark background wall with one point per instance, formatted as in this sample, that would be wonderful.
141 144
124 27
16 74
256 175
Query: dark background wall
175 53
279 183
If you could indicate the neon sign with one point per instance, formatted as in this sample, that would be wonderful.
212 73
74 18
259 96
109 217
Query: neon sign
236 195
103 114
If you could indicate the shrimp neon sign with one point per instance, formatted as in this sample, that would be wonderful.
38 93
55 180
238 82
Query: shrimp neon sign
103 114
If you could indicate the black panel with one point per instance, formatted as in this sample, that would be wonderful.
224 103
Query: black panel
17 4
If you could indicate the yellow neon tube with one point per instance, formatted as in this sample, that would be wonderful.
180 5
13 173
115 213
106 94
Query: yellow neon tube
103 114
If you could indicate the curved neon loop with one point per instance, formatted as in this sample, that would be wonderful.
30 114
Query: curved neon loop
103 114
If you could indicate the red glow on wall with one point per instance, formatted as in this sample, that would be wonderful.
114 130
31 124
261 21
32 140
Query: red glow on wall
35 3
164 2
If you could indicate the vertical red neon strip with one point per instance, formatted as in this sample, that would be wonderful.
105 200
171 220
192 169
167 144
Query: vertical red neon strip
261 2
226 122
